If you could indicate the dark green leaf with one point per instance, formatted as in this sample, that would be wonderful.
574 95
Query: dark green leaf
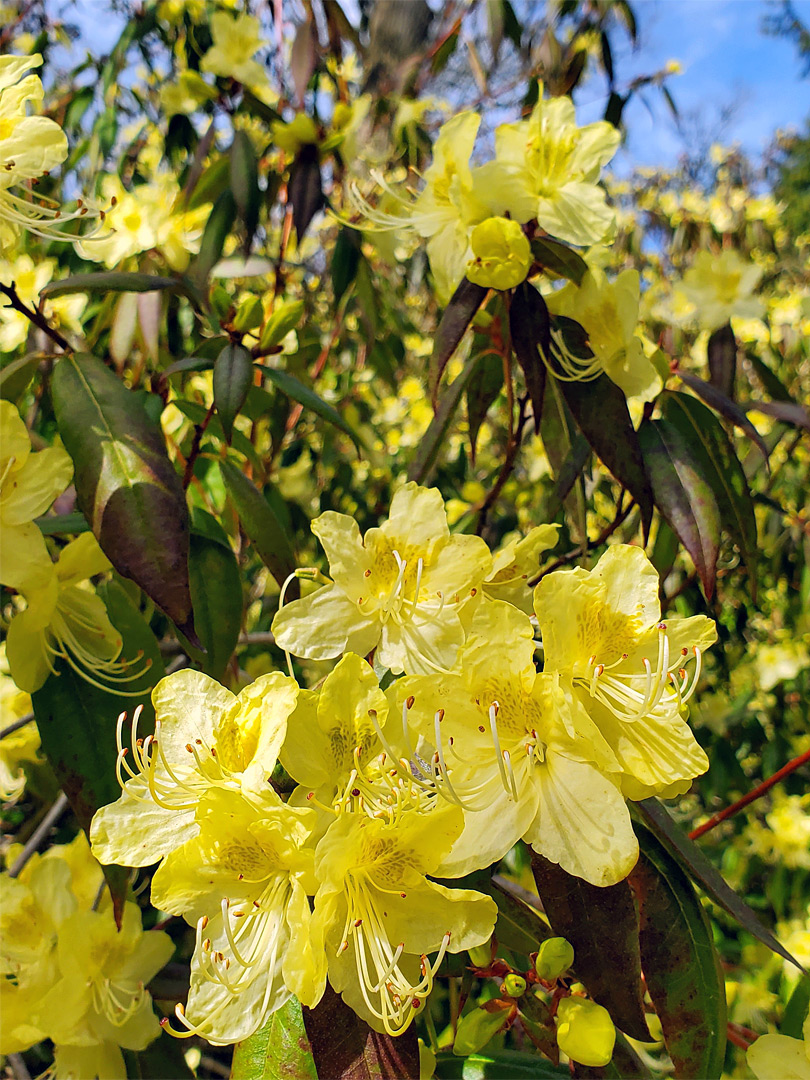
306 396
79 104
569 472
304 190
725 406
434 438
197 413
602 926
456 317
245 183
615 108
558 258
796 1009
211 184
721 468
217 229
530 329
105 129
665 549
482 392
126 486
188 363
344 1047
786 411
700 870
108 281
607 56
722 356
345 260
600 409
443 53
511 27
16 376
503 1065
681 968
161 1059
62 524
519 926
233 377
683 495
216 592
770 383
260 523
278 1051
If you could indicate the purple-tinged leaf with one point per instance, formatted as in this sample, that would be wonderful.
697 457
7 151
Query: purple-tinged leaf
245 184
303 56
456 317
304 189
344 1047
602 926
482 392
681 968
725 406
559 259
126 486
530 329
722 356
150 307
434 438
683 495
278 1051
786 411
260 523
233 378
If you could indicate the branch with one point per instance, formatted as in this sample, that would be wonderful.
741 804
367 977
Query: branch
16 725
36 317
40 834
619 519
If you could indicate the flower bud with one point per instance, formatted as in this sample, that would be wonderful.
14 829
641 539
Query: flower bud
513 986
585 1031
502 254
554 956
480 955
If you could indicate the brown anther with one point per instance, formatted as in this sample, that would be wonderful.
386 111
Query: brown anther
409 702
204 922
450 740
213 751
207 945
80 202
403 895
625 655
198 742
441 715
358 922
367 573
481 727
473 592
257 905
372 712
189 747
241 876
415 1002
238 914
359 600
311 796
114 200
356 792
682 672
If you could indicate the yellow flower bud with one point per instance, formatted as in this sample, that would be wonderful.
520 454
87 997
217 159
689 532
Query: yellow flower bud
554 956
502 254
513 985
291 137
585 1031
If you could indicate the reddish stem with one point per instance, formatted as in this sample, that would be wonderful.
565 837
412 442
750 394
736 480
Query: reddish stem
760 789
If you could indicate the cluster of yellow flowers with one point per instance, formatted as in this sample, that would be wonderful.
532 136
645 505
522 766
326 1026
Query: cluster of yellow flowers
436 775
69 974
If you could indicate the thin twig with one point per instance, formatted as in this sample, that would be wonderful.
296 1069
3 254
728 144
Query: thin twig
17 725
760 789
169 647
194 453
508 464
40 834
605 534
18 1067
36 317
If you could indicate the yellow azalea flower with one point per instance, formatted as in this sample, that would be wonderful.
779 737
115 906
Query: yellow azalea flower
779 1057
29 483
65 620
604 640
585 1031
377 915
720 287
21 747
608 312
30 278
236 42
301 131
519 756
243 880
515 562
552 169
398 589
186 95
204 737
501 254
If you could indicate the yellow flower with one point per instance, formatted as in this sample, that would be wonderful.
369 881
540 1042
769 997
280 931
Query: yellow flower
398 589
604 641
608 312
65 621
778 1057
29 483
585 1031
236 41
519 755
377 915
501 254
243 881
21 747
186 95
552 169
204 737
720 287
29 279
514 563
301 130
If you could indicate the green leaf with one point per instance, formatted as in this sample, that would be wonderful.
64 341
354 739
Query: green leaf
304 395
796 1009
260 523
696 865
476 1028
530 330
600 409
683 494
62 524
721 352
345 260
233 378
482 392
456 317
434 438
304 190
559 259
77 722
16 376
721 468
344 1047
197 413
245 183
504 1065
126 486
278 1051
602 926
108 281
665 549
162 1058
519 927
217 229
681 968
725 406
216 592
285 317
